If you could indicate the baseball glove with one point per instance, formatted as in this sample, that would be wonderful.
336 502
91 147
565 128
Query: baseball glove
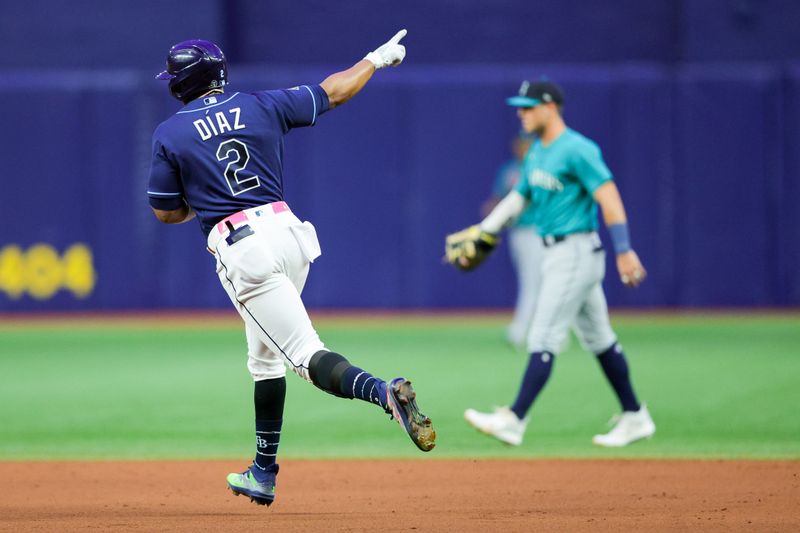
469 247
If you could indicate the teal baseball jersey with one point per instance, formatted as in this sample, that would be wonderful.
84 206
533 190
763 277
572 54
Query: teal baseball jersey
559 180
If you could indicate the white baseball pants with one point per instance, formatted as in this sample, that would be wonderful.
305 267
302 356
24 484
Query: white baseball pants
264 274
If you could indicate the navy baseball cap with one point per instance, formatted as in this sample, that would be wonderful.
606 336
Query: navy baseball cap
533 94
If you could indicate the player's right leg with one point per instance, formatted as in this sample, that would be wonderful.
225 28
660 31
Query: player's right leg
334 374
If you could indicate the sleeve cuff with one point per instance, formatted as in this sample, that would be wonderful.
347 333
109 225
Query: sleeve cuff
321 98
166 204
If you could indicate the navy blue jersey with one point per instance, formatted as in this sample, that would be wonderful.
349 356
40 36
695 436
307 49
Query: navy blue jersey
224 153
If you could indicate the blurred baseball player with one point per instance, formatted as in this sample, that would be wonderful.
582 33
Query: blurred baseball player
220 159
524 243
564 178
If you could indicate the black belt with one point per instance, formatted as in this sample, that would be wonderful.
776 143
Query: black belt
552 240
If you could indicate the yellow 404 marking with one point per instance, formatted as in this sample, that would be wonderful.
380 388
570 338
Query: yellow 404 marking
41 272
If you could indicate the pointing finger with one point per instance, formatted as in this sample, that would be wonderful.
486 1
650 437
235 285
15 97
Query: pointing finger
397 36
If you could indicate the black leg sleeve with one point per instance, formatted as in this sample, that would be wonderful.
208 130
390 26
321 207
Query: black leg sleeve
326 370
269 397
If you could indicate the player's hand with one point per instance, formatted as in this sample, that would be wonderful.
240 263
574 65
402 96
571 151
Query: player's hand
631 271
469 247
389 54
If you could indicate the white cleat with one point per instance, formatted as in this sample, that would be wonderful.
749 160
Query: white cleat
630 427
503 424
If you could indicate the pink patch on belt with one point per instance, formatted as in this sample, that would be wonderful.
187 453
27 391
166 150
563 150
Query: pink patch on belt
235 218
279 207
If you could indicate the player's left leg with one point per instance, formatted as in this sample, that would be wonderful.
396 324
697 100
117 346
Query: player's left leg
596 335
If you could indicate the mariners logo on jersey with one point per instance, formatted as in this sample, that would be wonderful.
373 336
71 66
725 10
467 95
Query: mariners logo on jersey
560 180
543 179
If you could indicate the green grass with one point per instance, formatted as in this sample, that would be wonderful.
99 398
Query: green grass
717 386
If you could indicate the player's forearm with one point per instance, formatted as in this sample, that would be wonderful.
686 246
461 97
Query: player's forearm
508 209
177 216
344 85
607 196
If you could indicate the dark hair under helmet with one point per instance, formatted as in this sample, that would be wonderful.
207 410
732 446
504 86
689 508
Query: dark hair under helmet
194 67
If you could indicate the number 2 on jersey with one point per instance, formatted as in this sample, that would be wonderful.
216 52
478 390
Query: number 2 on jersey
235 173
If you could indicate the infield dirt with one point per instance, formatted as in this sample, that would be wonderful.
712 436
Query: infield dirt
419 495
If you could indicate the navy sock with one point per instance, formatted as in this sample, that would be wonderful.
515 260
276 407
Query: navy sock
616 369
268 436
269 396
356 383
540 365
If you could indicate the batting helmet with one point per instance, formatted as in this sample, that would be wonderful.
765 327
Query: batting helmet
194 67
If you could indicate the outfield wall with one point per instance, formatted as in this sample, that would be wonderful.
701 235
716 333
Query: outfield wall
705 156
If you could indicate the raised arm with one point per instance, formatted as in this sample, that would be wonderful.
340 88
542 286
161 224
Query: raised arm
344 85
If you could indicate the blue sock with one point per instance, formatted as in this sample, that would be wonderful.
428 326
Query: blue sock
356 383
268 436
539 367
268 398
616 369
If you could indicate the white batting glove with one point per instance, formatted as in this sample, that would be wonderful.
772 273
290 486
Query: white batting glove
389 54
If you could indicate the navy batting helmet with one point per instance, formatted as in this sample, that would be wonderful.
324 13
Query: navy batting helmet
194 67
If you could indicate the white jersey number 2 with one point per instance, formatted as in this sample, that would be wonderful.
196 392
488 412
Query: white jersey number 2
235 174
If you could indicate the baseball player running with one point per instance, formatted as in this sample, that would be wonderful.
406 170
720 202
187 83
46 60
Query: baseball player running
220 159
564 178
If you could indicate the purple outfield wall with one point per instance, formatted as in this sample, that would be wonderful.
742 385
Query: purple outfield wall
696 105
704 156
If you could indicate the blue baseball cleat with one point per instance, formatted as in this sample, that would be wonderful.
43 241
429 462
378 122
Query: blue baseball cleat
400 397
260 492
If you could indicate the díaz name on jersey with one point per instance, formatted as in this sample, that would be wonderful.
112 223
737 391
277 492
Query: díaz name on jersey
209 127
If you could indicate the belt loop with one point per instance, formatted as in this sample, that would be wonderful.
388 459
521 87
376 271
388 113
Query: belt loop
550 240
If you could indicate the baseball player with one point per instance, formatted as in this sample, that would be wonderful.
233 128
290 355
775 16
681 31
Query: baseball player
524 243
220 159
564 179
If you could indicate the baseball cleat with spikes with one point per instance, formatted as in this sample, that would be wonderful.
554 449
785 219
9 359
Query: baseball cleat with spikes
402 405
260 492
